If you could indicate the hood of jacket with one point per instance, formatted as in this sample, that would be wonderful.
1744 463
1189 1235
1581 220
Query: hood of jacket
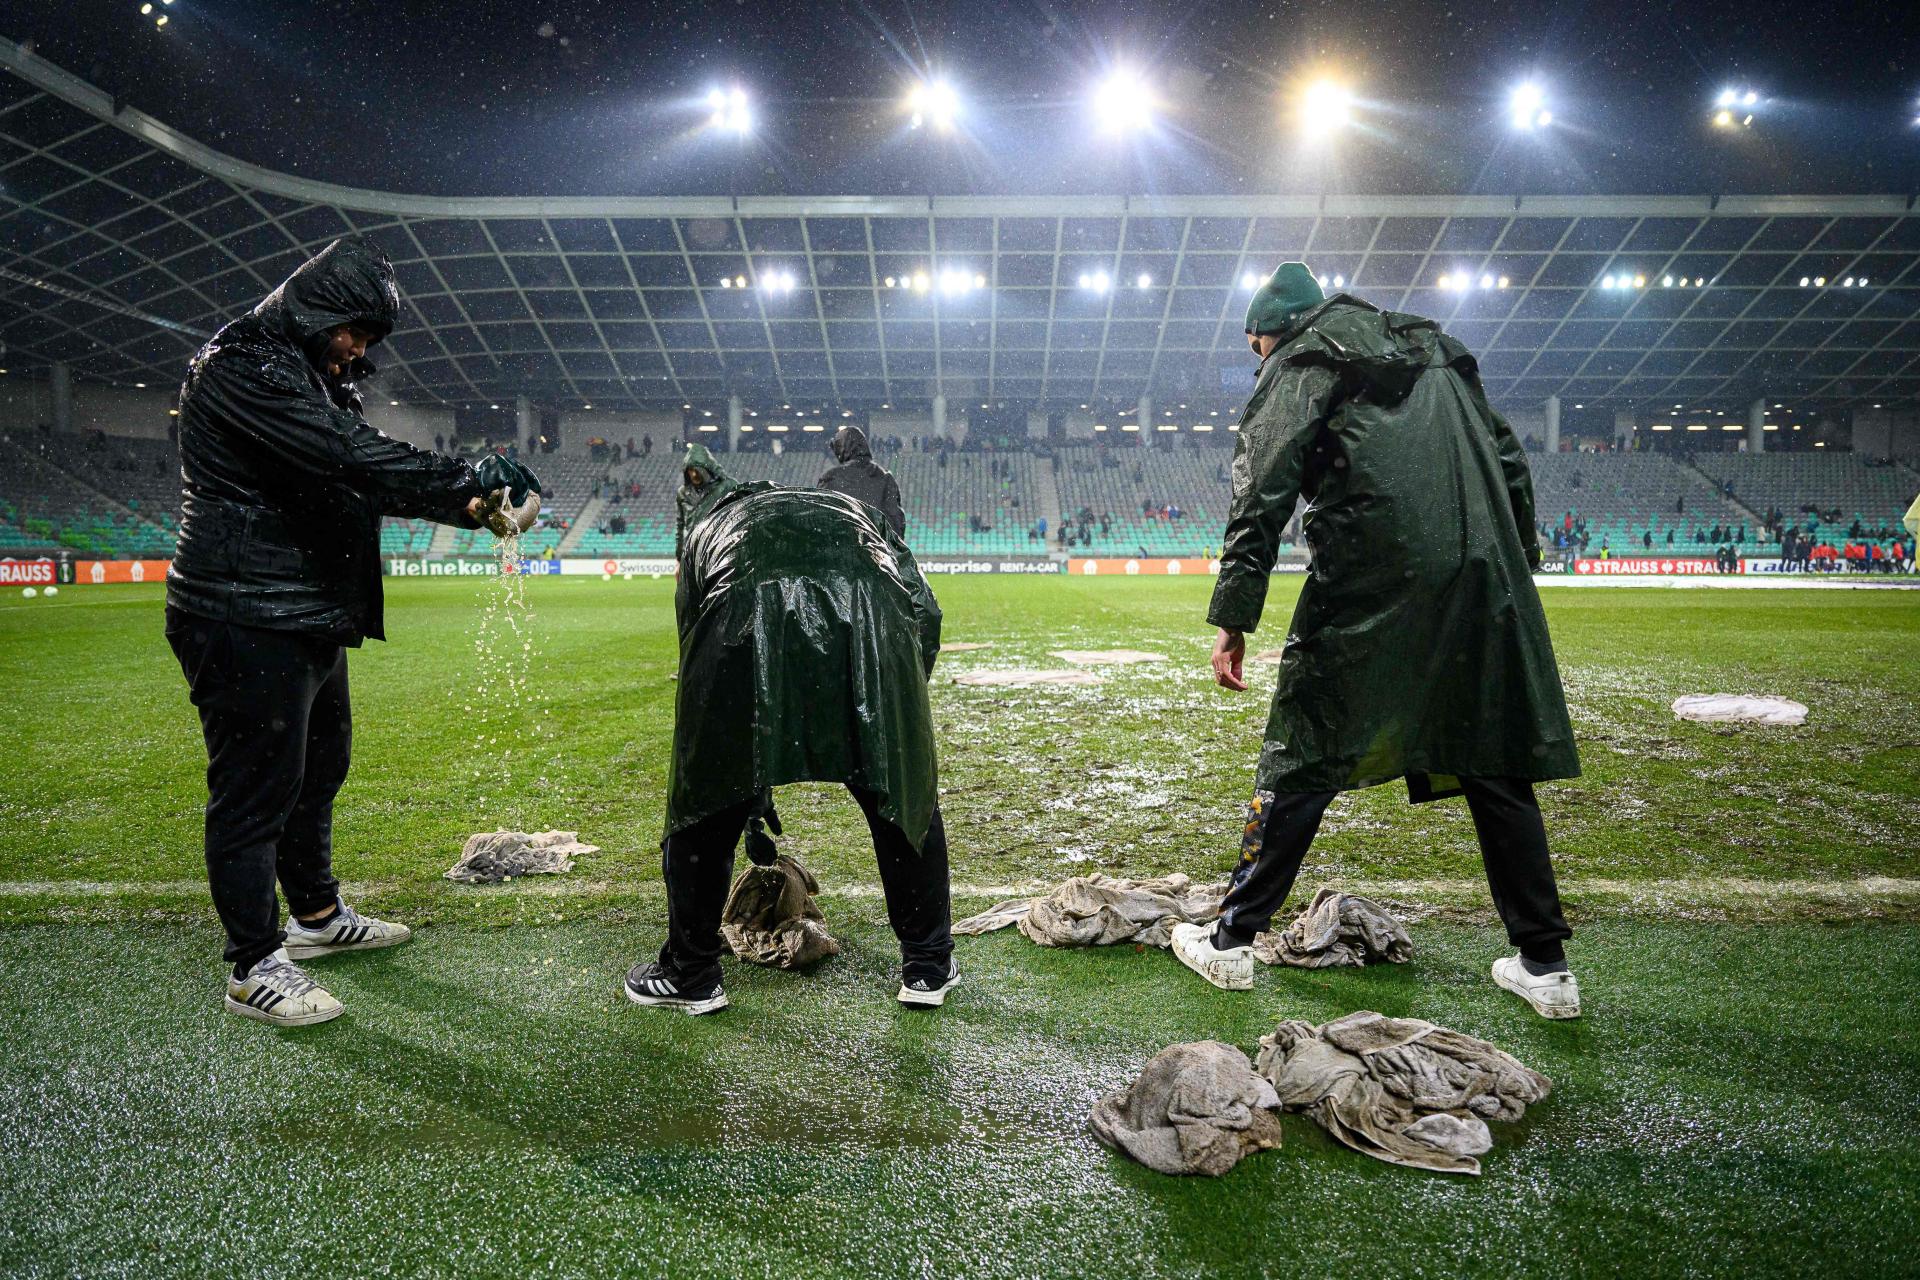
1380 353
849 444
349 282
704 485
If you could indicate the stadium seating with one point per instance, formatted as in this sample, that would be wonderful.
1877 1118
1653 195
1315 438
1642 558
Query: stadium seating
1624 496
1876 496
1194 481
115 496
47 508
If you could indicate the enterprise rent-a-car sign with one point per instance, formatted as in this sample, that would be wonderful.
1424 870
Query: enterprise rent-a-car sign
990 566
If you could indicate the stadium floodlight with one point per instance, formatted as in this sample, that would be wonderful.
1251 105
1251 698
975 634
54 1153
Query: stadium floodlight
730 110
1527 107
1144 281
1325 108
1123 103
1734 108
1096 281
1249 280
933 103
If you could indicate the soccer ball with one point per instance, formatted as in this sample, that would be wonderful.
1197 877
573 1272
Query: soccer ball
53 591
606 577
28 592
626 577
654 576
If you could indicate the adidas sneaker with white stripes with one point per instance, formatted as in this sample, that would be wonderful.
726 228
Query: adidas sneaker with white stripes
652 984
277 991
347 931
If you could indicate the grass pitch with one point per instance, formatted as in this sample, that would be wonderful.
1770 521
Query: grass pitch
1739 1099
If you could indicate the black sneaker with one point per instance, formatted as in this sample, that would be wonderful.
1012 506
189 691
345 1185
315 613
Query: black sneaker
929 993
650 984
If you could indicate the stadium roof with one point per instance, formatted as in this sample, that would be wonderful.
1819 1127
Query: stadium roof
124 243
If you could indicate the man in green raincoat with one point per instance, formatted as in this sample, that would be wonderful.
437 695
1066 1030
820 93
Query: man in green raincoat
1418 648
807 636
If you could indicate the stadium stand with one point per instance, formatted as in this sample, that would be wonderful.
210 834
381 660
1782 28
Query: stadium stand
1826 488
1188 493
119 497
1624 497
48 508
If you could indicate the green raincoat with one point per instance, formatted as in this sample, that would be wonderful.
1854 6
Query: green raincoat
807 636
1418 648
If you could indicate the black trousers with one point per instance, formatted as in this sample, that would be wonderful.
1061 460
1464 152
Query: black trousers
698 865
1513 845
279 732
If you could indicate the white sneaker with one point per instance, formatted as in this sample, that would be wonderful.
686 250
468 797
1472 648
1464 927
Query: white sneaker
928 993
275 990
1552 995
1230 970
347 931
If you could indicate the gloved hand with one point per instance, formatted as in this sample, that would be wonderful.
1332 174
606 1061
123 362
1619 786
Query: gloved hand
496 471
511 502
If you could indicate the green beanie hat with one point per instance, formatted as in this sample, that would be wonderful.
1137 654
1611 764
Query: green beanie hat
1291 291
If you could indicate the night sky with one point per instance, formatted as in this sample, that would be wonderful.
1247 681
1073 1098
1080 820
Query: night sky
606 99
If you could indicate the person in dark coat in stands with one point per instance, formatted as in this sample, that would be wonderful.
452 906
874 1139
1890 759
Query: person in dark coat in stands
859 477
1418 648
275 575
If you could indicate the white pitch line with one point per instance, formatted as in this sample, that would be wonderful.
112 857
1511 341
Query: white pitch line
1689 891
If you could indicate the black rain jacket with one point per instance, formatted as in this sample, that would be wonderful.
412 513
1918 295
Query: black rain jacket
284 482
861 478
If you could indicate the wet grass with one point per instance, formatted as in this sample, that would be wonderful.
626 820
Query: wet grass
1146 773
1738 1101
1740 1098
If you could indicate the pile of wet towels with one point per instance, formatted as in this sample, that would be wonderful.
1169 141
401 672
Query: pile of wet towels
1094 911
1401 1090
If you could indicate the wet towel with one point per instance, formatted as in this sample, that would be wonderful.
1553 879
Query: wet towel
1399 1089
1195 1108
1739 708
1337 929
1096 910
493 856
1106 657
771 917
1021 678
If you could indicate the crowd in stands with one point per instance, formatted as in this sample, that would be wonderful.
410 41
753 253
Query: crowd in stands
1837 512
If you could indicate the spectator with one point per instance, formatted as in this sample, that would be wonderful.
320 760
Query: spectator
858 476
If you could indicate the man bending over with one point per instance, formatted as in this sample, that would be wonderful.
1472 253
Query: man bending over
807 636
